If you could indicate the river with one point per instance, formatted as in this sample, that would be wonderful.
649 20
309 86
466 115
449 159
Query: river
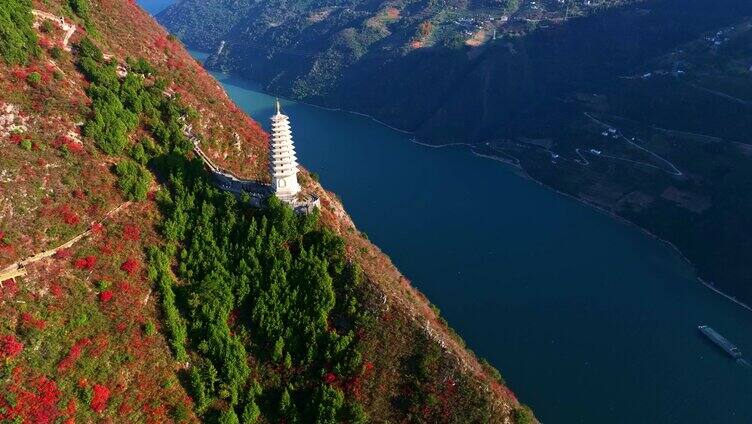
588 319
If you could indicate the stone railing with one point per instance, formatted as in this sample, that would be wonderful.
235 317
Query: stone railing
258 190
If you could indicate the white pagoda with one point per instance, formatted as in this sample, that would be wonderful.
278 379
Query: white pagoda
283 165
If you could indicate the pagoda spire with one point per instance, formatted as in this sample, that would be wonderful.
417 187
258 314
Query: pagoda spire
283 164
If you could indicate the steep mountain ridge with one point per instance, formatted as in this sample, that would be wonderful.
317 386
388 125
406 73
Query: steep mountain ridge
171 301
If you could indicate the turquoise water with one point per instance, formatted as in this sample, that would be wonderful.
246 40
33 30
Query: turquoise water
588 319
155 6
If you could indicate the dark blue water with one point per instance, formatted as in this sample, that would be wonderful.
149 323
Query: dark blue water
588 319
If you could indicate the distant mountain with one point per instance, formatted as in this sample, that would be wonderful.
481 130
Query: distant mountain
642 108
387 52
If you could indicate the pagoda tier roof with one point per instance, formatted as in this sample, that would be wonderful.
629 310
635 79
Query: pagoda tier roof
283 151
283 174
280 161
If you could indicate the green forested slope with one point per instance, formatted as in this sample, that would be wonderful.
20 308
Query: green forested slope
17 40
151 295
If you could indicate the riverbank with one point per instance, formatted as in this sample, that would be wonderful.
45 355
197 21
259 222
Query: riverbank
522 172
643 230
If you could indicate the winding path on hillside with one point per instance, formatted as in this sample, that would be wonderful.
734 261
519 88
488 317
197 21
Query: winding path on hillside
69 29
18 269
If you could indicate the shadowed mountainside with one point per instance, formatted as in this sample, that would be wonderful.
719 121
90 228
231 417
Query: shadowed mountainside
671 78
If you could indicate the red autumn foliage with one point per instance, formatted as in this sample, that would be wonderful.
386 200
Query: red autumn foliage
233 317
93 209
124 409
85 263
175 64
160 42
137 343
124 287
16 138
6 249
97 228
71 144
38 406
156 415
45 43
56 290
168 46
79 194
131 266
63 253
100 396
105 296
45 74
8 289
20 74
99 345
10 347
106 248
71 408
131 232
354 387
75 352
367 369
330 378
30 322
69 217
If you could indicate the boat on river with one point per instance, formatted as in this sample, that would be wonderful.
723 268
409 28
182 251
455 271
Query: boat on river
721 341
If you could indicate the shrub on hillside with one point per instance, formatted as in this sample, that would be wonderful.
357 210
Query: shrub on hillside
159 273
100 397
34 79
111 122
56 53
523 415
133 179
18 41
47 26
9 346
81 9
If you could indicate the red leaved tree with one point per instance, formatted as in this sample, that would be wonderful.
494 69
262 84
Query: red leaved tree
10 347
99 398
